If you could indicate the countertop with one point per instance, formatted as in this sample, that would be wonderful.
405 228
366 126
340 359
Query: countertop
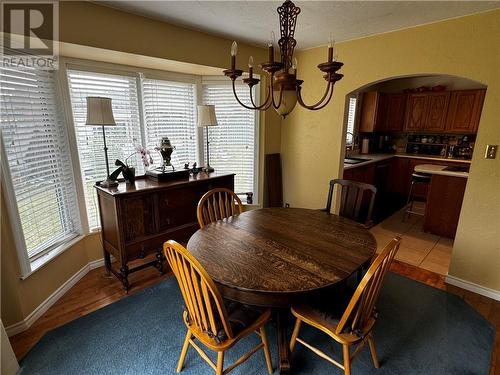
374 158
440 170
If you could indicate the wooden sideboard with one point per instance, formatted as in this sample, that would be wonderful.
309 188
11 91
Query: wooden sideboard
136 219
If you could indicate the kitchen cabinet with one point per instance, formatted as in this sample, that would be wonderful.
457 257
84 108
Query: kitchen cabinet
444 203
361 174
392 178
437 108
399 183
373 112
465 111
416 112
395 112
427 111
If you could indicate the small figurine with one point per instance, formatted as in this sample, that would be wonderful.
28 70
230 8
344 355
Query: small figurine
195 169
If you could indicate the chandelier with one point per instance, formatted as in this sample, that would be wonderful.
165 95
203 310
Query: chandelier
284 89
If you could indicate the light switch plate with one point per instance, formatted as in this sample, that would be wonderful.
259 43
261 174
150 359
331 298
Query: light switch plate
491 151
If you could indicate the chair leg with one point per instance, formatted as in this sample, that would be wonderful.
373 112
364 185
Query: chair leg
409 203
295 334
220 363
373 352
267 354
347 360
184 350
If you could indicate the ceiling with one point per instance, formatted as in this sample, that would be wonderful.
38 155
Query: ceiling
252 21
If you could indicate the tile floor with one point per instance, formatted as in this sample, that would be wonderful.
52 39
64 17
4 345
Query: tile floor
418 248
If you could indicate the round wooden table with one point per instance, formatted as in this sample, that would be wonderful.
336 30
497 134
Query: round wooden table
276 256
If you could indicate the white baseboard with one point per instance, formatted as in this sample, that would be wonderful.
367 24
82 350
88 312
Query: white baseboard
472 287
27 322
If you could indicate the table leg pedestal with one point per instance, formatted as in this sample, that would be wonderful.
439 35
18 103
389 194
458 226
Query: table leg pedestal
282 318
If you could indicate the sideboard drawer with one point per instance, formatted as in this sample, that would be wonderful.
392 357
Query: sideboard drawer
177 207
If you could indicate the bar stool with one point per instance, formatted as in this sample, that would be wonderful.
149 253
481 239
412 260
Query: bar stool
416 178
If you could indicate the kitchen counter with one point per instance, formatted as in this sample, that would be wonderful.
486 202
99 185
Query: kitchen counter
374 158
440 170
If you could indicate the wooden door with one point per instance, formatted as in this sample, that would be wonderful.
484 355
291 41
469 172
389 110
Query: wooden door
368 114
399 180
381 115
138 213
465 111
395 117
437 110
416 111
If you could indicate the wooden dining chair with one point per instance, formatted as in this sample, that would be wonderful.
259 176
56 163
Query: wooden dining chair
218 204
356 200
214 322
354 325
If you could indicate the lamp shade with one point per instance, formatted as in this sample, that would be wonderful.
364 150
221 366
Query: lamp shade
99 111
206 115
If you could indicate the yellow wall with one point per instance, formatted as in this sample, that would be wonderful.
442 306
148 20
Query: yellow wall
93 25
312 141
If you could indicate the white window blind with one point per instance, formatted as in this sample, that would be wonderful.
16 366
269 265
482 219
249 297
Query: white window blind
121 139
36 150
232 143
351 116
170 111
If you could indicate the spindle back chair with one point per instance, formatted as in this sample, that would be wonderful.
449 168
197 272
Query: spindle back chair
218 204
205 314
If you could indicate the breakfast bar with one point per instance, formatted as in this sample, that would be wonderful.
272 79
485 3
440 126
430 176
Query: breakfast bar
444 199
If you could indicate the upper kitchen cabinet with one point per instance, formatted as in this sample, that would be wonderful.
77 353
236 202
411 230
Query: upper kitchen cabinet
427 111
416 111
437 110
465 111
373 112
395 114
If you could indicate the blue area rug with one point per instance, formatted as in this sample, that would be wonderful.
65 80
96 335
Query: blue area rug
421 330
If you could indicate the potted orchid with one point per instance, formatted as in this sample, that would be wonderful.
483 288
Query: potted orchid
127 171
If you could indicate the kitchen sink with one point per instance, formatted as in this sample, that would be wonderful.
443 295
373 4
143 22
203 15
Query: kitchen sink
355 160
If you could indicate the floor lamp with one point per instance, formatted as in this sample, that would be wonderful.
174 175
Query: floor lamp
206 118
100 113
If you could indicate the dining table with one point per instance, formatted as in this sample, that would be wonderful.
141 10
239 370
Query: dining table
275 257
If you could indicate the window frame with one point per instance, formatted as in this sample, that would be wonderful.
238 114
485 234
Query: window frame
62 88
220 80
67 63
29 265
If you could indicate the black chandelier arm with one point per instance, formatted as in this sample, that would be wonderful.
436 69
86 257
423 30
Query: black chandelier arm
263 106
320 104
281 98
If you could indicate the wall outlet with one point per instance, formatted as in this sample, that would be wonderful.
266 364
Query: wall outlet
491 151
287 205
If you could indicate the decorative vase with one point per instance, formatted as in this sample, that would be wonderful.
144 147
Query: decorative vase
129 174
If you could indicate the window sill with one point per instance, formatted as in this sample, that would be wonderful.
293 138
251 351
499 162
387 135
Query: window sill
53 254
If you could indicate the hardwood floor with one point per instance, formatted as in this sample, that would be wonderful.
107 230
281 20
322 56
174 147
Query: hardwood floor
95 291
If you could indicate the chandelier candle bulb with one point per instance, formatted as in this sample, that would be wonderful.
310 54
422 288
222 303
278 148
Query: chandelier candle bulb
250 66
331 45
234 51
294 65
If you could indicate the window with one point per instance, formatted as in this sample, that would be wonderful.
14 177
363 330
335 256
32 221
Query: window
170 111
351 117
121 139
38 161
233 142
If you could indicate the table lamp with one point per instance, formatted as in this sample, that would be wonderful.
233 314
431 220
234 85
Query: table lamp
206 118
100 113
